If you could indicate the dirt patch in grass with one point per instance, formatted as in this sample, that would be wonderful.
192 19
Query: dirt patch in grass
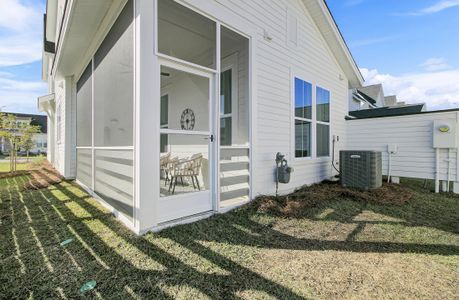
293 205
43 176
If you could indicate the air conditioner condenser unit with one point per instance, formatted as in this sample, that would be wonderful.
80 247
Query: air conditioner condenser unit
361 169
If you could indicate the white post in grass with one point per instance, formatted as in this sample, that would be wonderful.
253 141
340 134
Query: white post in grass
456 187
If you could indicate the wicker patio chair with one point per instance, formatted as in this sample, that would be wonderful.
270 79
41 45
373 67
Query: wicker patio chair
190 168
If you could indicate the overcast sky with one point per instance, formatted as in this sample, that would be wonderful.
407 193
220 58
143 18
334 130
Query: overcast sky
411 46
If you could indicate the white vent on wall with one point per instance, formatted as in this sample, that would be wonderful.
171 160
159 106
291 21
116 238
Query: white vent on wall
292 29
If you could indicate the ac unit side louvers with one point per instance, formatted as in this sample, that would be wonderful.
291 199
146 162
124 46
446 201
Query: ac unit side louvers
361 169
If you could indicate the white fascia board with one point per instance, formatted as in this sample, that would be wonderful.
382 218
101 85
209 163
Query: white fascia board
321 15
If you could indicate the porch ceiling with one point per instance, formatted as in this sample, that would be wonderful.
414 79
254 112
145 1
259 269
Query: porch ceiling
86 19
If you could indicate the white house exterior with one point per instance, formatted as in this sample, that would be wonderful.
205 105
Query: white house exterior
221 86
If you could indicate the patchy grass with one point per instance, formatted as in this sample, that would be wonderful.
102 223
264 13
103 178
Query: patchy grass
5 166
22 166
336 248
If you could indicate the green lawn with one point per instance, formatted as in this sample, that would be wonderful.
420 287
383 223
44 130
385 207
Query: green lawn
338 249
5 165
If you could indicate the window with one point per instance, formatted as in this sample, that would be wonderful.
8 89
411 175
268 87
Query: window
58 124
323 122
226 116
303 118
309 121
323 105
164 122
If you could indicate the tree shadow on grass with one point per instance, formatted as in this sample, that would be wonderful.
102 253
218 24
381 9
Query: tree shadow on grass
104 250
51 272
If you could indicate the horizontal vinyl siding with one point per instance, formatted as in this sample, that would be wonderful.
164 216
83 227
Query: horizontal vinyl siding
413 136
274 63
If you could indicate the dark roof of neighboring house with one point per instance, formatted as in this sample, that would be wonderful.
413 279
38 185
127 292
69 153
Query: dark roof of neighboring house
36 120
372 91
387 111
366 97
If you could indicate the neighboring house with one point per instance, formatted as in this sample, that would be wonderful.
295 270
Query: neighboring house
395 110
146 94
39 139
372 97
366 97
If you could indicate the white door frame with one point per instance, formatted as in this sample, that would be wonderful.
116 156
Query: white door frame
171 207
223 18
231 63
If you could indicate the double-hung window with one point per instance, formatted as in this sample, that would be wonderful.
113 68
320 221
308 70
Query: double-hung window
323 122
309 121
226 114
303 118
164 122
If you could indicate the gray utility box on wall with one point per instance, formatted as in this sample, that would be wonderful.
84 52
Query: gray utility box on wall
361 169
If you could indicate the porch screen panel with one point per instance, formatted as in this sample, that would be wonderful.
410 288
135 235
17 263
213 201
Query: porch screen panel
113 84
113 179
84 166
84 108
185 34
83 127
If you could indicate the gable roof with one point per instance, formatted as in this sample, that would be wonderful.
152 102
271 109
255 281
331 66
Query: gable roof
324 20
388 111
36 120
372 91
365 97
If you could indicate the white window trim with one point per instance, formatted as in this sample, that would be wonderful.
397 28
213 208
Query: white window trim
313 121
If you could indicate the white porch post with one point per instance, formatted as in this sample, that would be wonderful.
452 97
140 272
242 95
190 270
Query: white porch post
69 137
147 114
456 187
